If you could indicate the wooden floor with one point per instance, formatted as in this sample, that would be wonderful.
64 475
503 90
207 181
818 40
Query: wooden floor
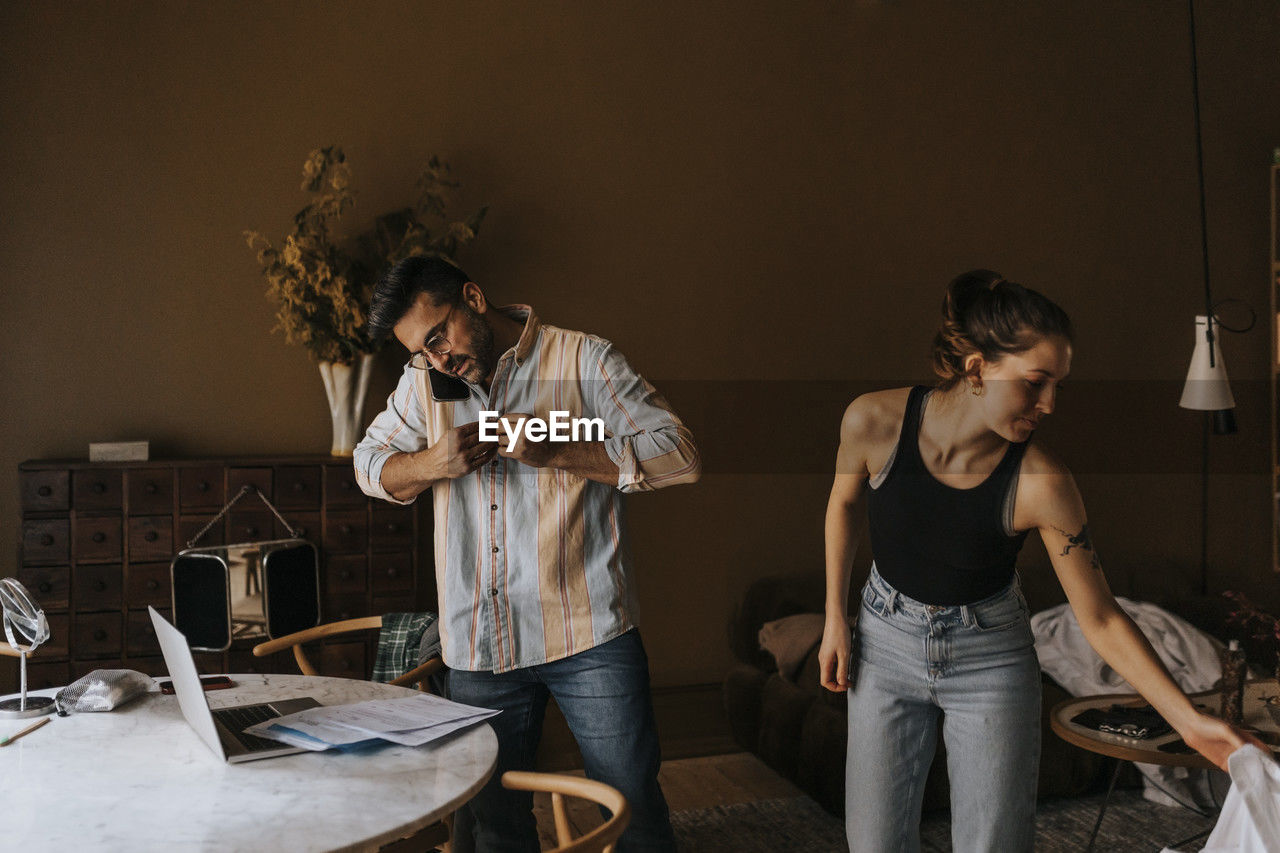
689 783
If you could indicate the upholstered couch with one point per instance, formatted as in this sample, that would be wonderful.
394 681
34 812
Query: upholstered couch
798 728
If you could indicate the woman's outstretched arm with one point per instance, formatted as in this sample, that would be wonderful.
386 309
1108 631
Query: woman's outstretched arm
1054 504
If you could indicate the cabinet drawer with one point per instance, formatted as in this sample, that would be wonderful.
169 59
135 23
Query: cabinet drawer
345 573
150 491
259 478
81 668
140 635
200 487
149 665
305 524
392 528
340 487
50 586
341 606
190 525
98 587
149 585
151 538
98 539
343 660
46 541
46 491
42 676
346 531
250 526
98 635
96 489
59 642
391 573
298 487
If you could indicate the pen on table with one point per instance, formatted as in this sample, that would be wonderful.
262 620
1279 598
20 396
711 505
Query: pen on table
28 730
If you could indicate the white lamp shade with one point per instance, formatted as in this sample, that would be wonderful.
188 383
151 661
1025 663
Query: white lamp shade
1207 388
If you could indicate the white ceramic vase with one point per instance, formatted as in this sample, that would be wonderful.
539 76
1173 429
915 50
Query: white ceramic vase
346 384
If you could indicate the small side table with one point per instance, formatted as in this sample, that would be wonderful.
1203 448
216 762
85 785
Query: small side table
1120 748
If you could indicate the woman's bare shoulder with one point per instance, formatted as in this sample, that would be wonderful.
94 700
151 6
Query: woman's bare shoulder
875 415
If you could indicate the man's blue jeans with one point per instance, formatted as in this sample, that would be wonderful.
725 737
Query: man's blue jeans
604 696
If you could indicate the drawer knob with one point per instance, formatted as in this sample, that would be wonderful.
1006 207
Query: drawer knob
299 486
345 574
99 635
99 537
345 529
152 488
202 486
391 573
151 536
98 487
347 485
302 532
44 491
153 584
46 540
393 527
99 585
251 531
45 587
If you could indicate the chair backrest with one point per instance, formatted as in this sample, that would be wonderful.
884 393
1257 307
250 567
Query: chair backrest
599 840
418 675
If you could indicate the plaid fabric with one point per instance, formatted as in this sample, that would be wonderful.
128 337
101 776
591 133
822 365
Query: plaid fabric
404 643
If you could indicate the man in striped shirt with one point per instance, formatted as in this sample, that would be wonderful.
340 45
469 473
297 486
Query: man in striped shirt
532 568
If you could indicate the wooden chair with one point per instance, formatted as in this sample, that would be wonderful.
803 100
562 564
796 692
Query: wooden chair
418 675
599 840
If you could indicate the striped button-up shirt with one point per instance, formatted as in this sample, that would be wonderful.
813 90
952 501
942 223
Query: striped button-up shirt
531 563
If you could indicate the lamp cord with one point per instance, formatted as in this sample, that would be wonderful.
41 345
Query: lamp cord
1204 217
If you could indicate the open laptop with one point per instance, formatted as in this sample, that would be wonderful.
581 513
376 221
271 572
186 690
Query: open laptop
220 730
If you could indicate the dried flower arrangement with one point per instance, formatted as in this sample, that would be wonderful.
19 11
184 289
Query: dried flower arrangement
1256 624
321 281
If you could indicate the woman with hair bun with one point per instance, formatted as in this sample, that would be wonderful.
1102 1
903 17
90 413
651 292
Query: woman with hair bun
953 484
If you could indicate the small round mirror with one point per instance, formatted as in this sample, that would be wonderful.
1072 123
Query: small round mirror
25 628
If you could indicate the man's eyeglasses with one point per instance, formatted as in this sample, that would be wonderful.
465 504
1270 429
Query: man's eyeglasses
437 344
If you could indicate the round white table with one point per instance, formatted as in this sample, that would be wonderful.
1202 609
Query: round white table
138 778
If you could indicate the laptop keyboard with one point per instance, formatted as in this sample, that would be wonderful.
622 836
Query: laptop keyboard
238 719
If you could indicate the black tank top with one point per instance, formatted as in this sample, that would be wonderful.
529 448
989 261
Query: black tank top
939 544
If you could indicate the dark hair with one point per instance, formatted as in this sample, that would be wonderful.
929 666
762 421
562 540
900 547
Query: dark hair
983 313
399 287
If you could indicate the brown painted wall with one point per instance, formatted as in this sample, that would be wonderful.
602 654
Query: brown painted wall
759 203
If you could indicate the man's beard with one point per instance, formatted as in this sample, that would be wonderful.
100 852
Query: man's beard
480 340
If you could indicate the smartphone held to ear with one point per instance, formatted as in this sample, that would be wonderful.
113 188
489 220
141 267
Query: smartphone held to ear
446 388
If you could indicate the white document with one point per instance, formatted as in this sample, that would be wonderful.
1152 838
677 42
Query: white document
411 721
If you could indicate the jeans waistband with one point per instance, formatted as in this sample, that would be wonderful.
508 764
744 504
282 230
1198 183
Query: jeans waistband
966 614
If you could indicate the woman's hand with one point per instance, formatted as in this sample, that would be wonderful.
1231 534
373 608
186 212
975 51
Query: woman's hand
833 655
1216 739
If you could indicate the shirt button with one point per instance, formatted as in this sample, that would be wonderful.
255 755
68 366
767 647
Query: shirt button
495 549
493 507
494 463
493 592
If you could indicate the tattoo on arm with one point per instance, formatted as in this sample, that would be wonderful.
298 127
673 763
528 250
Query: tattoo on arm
1080 540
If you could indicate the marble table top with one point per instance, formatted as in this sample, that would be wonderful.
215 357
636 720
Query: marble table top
138 778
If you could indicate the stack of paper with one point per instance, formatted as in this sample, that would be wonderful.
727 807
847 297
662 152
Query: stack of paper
411 721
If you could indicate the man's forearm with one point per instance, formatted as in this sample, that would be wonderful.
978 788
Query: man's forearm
585 459
407 475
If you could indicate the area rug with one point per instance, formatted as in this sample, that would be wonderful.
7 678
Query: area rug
799 824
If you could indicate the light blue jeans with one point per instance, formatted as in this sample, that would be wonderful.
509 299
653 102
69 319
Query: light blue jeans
973 669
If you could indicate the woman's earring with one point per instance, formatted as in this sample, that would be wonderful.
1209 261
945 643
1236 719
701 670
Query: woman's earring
975 389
